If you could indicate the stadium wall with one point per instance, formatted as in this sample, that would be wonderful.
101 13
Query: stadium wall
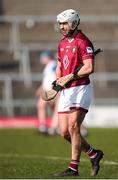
97 117
102 116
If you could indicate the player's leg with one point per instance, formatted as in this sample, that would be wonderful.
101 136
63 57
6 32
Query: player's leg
69 124
53 130
63 125
42 114
78 143
95 156
83 97
75 120
63 110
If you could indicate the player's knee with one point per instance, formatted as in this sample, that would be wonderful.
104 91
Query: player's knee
74 127
65 134
41 105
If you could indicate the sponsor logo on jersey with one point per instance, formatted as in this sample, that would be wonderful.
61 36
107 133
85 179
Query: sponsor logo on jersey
67 48
65 62
89 50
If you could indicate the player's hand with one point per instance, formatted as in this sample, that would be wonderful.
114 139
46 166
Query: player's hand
58 81
63 80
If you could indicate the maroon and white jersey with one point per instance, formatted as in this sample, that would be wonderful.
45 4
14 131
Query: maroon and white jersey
72 53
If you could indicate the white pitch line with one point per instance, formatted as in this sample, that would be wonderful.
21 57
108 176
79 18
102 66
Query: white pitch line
35 156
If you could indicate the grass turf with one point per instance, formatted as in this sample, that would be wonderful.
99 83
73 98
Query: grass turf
26 154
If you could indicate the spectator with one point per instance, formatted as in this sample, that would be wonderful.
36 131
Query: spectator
46 58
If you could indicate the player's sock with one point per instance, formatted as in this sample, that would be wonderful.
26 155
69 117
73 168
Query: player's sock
73 165
91 152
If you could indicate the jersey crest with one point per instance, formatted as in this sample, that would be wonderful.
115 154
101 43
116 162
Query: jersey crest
65 62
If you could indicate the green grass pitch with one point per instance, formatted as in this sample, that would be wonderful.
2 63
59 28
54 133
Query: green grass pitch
26 154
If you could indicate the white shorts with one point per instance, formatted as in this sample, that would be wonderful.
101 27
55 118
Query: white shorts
75 98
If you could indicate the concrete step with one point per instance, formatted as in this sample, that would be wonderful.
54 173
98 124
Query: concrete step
37 7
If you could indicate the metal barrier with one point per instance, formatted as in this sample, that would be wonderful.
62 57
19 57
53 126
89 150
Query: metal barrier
9 103
14 33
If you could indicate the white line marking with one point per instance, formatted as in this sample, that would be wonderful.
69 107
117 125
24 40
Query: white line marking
35 156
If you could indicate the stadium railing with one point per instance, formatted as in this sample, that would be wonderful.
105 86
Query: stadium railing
8 102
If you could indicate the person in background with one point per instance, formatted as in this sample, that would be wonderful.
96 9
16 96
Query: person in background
43 107
84 130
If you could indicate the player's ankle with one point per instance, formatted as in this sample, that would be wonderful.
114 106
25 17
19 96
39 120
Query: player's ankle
91 152
73 165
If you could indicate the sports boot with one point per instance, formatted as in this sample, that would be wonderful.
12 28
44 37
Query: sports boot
67 172
96 162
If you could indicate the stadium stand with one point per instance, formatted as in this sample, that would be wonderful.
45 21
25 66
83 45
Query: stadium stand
28 7
23 36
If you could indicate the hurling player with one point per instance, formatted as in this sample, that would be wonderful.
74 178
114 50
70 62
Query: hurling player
74 50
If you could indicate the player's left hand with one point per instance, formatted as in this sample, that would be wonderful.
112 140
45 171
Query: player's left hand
62 80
